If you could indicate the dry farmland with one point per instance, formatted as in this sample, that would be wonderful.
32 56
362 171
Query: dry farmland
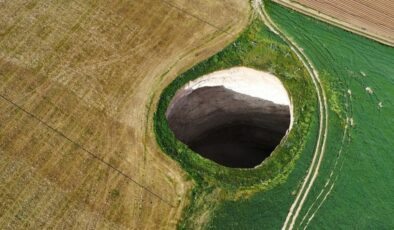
79 82
374 19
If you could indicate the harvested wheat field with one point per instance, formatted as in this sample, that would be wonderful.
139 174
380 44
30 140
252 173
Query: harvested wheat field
79 83
373 19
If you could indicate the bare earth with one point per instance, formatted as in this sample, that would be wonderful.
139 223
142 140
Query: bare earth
373 19
247 81
79 83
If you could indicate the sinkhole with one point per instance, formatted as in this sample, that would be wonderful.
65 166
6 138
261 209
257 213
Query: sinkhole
234 117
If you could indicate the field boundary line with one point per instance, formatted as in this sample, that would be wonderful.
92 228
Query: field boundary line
90 153
334 21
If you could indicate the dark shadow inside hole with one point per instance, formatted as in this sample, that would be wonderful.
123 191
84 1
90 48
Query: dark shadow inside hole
232 129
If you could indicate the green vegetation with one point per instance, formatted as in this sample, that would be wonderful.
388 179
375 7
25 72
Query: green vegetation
354 188
257 48
363 193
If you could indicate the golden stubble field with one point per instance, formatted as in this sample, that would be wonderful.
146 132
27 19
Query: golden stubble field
79 82
373 19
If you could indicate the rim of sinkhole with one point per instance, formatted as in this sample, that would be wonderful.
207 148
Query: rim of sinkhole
235 117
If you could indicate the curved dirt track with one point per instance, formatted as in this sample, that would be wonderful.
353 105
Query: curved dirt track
323 123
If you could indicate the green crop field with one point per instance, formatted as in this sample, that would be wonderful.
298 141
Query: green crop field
354 188
364 189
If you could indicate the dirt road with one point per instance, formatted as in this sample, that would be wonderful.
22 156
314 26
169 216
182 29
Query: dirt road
318 155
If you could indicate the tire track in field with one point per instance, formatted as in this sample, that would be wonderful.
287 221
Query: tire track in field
331 181
313 170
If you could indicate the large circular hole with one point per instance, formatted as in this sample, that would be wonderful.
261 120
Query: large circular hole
235 117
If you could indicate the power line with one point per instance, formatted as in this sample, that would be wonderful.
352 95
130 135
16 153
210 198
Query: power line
194 16
129 178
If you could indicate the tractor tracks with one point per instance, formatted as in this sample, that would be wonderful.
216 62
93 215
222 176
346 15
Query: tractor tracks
320 147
